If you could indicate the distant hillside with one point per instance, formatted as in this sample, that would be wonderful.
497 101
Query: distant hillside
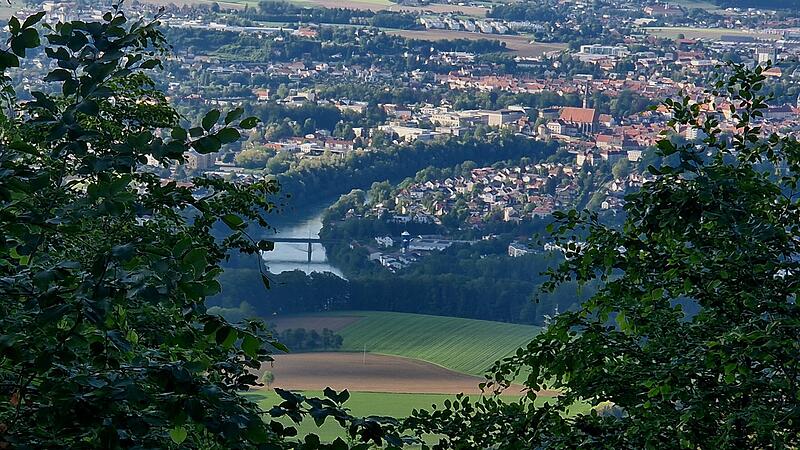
464 345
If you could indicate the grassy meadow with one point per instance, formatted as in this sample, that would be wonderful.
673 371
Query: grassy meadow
371 404
704 33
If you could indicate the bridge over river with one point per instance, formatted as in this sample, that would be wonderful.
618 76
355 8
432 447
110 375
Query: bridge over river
296 240
300 240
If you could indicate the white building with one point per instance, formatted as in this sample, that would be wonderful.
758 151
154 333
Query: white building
618 51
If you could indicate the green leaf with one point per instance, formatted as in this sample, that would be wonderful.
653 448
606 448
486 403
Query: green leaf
44 101
178 434
33 19
230 339
14 25
224 333
210 119
666 147
7 60
179 134
89 107
70 86
150 64
18 46
265 245
207 144
234 222
251 345
228 135
196 258
622 322
30 38
279 346
181 247
233 115
257 433
312 441
58 75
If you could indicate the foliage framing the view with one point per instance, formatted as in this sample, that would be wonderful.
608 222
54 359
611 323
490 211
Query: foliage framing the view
105 341
717 230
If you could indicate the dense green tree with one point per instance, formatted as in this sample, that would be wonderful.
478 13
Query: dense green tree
253 158
621 168
105 339
692 333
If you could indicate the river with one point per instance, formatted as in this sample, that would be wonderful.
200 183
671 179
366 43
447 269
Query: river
305 223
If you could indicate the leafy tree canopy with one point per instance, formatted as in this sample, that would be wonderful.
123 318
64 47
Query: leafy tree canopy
716 234
105 339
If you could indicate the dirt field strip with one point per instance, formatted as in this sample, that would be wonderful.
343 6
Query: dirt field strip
371 373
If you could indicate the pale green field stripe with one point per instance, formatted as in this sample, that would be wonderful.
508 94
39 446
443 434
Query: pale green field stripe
464 345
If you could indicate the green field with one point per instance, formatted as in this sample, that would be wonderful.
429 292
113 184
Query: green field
702 4
703 33
363 404
464 345
360 404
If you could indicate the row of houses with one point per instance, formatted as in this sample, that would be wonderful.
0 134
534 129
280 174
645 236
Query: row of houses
486 194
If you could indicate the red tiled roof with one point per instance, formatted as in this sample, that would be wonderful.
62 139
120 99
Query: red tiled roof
607 138
579 115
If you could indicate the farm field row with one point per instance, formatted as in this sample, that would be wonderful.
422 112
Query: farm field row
519 44
369 372
704 33
462 345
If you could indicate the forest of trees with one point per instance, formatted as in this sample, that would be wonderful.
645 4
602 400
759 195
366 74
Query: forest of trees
478 281
281 11
302 340
106 341
351 48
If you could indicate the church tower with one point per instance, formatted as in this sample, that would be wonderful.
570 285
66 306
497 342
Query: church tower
586 95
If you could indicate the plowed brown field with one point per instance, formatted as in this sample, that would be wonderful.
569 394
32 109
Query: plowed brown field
376 373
